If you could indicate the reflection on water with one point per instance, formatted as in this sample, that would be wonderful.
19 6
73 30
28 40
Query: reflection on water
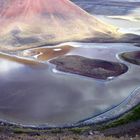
32 95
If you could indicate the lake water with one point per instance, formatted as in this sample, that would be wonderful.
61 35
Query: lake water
37 94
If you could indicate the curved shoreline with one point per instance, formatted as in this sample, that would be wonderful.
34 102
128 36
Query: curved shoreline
113 113
129 103
125 106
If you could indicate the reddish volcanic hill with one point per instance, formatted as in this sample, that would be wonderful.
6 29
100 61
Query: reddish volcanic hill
28 23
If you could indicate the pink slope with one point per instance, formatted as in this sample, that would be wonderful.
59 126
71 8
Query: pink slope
47 22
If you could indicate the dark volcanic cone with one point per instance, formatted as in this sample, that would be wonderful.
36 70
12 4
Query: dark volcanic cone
28 23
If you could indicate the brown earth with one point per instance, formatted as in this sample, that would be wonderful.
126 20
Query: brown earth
93 68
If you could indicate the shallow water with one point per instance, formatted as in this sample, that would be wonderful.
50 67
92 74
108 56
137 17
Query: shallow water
35 95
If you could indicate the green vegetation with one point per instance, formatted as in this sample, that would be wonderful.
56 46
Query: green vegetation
23 131
131 116
80 130
18 130
76 130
